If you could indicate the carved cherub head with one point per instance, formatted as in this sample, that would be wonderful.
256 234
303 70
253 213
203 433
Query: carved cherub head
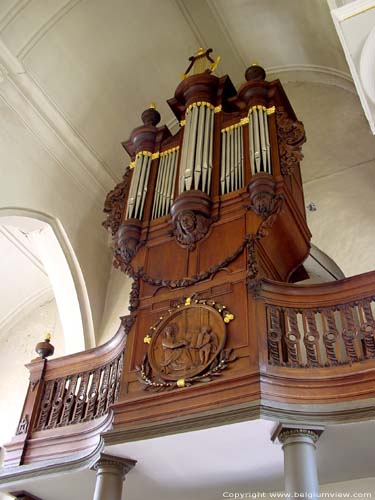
187 221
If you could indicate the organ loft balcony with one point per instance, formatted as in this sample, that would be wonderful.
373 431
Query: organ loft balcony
209 224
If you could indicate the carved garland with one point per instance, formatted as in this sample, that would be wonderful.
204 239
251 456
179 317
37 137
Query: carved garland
252 268
291 135
182 351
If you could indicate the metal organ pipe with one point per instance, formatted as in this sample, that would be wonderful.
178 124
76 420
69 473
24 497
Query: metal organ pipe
207 187
232 161
196 155
138 186
165 181
260 153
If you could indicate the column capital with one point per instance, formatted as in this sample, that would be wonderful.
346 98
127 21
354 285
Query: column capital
285 431
121 465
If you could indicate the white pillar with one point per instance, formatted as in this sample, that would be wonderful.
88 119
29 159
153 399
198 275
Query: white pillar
300 468
110 475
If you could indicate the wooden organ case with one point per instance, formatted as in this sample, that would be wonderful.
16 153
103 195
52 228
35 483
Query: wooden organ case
199 220
210 226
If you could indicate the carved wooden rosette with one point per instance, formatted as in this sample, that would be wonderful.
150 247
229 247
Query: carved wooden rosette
186 346
191 217
291 135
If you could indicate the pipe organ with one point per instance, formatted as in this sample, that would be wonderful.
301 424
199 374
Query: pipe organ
209 224
200 219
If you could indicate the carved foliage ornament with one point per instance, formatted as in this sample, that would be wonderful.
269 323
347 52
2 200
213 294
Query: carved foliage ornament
291 136
186 345
114 204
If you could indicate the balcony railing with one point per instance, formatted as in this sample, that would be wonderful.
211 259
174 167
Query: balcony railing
316 344
321 337
67 405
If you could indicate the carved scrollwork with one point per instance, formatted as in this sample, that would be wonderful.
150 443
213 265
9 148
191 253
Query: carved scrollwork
186 346
114 204
291 136
128 241
23 425
263 198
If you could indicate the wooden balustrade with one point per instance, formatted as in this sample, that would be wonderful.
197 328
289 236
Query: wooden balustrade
337 335
68 403
80 397
320 326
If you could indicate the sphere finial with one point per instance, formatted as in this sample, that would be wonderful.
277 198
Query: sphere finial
255 72
151 116
45 348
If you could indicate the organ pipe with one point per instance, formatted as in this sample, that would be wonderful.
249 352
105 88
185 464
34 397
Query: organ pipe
138 188
196 155
260 153
165 182
232 160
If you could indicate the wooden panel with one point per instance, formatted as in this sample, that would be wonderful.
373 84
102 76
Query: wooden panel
167 261
221 246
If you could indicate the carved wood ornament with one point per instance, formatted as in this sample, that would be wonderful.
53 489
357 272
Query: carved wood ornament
291 135
186 346
191 217
115 202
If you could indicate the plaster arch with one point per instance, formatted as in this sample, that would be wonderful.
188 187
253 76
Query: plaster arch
32 220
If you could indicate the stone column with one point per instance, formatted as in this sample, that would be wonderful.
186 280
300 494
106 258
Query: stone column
110 475
300 469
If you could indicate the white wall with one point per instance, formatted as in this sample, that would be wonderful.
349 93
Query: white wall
116 305
17 347
33 178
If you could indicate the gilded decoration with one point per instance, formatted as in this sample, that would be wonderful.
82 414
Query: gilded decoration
186 345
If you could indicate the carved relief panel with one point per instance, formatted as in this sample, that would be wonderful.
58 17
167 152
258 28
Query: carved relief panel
186 345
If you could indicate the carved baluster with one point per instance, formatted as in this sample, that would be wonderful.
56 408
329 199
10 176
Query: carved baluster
93 395
102 400
311 338
69 400
274 335
80 401
330 336
292 339
349 333
120 365
45 407
57 403
112 385
368 328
